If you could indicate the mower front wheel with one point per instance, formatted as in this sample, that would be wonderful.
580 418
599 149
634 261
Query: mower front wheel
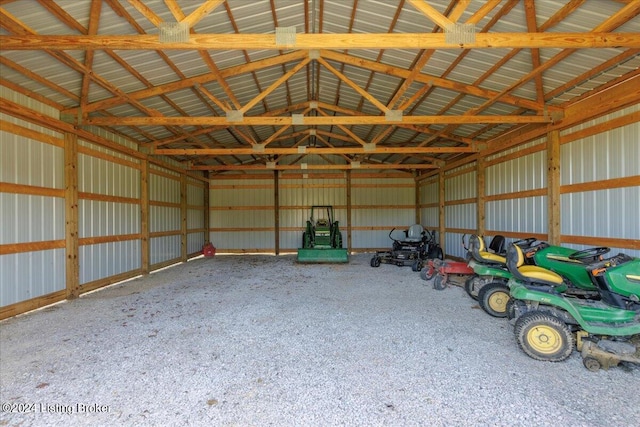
544 337
375 261
439 282
591 363
417 265
493 298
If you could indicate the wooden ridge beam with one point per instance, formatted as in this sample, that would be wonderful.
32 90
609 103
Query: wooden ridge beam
309 121
322 41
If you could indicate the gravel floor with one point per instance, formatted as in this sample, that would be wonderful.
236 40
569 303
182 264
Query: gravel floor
261 340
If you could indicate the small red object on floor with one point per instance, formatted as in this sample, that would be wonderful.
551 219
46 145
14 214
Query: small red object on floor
208 250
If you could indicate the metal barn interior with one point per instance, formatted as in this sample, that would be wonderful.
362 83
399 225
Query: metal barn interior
134 132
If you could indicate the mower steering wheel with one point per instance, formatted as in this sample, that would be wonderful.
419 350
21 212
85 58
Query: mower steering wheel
524 243
589 253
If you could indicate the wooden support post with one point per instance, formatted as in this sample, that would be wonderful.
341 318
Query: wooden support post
441 224
417 200
207 210
144 216
183 216
349 211
553 187
72 264
481 195
276 210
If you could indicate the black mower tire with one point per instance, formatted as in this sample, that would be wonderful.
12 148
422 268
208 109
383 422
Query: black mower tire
375 261
468 286
416 266
494 298
544 337
439 282
437 253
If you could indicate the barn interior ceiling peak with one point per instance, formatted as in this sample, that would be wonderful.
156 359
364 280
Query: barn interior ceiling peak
246 85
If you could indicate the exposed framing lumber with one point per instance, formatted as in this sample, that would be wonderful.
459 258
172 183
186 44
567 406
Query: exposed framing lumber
481 195
303 41
310 121
309 150
183 217
145 252
72 266
441 210
304 166
431 12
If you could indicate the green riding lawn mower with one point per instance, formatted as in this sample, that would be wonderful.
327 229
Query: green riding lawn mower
489 283
550 323
322 239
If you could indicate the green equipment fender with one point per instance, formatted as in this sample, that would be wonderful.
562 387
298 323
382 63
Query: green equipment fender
550 324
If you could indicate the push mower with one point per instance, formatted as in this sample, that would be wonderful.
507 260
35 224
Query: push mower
548 323
414 250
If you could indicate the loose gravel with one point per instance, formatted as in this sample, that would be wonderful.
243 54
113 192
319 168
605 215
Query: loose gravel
262 340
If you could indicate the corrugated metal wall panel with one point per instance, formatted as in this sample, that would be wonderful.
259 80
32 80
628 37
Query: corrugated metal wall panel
461 216
245 205
430 217
164 218
195 241
610 212
460 187
31 274
243 241
30 218
520 174
392 205
164 189
100 176
523 214
29 162
429 193
607 155
108 259
453 245
98 218
195 219
195 194
164 248
528 214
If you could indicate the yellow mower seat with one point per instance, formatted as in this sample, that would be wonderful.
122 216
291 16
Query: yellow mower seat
481 254
538 273
530 273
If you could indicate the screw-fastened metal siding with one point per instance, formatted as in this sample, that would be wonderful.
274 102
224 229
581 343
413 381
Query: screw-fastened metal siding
608 212
27 218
